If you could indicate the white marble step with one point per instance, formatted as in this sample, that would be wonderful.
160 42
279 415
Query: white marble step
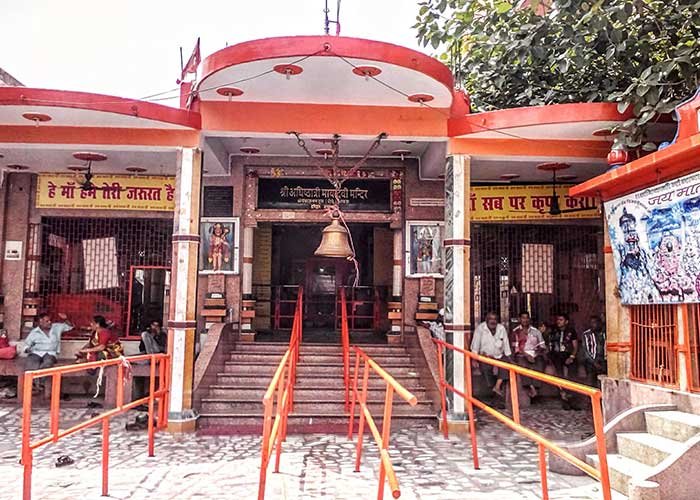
621 470
649 449
675 425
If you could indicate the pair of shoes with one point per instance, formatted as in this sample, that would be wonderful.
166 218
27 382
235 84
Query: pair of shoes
498 391
64 460
565 404
136 426
94 404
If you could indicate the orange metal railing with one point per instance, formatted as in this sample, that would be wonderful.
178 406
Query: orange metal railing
345 338
159 364
282 383
386 469
514 423
654 339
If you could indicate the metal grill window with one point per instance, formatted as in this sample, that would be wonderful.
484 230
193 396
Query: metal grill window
85 264
542 269
694 343
654 337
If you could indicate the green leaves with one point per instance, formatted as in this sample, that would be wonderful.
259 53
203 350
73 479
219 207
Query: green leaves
642 54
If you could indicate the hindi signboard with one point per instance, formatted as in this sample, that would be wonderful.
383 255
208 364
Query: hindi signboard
368 195
114 192
655 240
509 203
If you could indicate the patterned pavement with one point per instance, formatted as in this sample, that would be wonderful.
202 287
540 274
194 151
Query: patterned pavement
313 466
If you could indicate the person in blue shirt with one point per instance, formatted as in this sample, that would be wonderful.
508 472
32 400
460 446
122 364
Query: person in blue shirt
43 344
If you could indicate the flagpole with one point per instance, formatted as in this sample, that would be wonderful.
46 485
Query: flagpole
182 62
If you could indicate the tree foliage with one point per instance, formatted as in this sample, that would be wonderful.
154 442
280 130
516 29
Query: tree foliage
642 54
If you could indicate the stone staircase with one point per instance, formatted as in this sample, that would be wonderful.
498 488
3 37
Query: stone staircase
233 404
639 453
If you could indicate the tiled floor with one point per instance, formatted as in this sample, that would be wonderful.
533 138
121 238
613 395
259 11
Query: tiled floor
313 466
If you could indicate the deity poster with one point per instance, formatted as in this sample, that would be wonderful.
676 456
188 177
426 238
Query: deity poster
219 245
424 249
655 240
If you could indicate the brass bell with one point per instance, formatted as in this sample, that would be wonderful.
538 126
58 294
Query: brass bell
334 241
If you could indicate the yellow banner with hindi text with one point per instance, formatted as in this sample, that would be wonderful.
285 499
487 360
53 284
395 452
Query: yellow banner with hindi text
113 192
509 203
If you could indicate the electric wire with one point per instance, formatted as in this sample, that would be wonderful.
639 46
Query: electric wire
154 98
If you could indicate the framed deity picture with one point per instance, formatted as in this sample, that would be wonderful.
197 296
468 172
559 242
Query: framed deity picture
218 251
424 250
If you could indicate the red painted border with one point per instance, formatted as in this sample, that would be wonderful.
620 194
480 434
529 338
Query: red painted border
679 159
300 46
23 96
535 115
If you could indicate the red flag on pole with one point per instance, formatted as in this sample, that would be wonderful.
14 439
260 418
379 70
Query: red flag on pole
192 62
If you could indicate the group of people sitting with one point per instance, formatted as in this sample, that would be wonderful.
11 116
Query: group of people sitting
43 343
535 348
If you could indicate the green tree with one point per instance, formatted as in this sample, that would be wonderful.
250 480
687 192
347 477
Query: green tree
642 54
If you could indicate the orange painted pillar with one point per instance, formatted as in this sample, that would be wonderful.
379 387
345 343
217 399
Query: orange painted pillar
182 321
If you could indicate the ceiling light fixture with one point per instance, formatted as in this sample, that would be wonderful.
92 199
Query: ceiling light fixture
403 153
229 92
367 71
37 118
421 98
17 167
288 70
509 177
249 150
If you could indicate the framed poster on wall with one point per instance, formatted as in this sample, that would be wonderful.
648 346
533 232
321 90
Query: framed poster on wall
218 251
424 250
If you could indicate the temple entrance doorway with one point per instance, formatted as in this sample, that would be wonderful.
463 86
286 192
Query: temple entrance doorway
285 260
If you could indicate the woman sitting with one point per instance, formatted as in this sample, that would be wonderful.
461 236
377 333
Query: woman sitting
103 343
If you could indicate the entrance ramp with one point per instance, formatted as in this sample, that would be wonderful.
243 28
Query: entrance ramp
233 404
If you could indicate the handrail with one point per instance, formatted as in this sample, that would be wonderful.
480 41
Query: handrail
160 362
386 469
345 337
543 443
274 433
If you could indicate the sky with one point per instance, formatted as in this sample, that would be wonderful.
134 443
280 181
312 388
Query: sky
130 48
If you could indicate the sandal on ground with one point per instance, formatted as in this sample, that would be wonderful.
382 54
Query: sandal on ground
64 460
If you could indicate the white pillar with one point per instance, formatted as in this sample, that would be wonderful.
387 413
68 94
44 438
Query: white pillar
182 322
457 266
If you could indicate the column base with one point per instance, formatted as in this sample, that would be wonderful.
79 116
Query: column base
247 336
457 423
393 338
182 422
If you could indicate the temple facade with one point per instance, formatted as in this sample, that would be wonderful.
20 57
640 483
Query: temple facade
206 217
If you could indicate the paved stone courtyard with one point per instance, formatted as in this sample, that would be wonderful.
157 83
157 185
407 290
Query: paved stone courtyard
313 466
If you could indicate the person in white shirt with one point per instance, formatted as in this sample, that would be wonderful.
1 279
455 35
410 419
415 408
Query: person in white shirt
529 349
491 340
